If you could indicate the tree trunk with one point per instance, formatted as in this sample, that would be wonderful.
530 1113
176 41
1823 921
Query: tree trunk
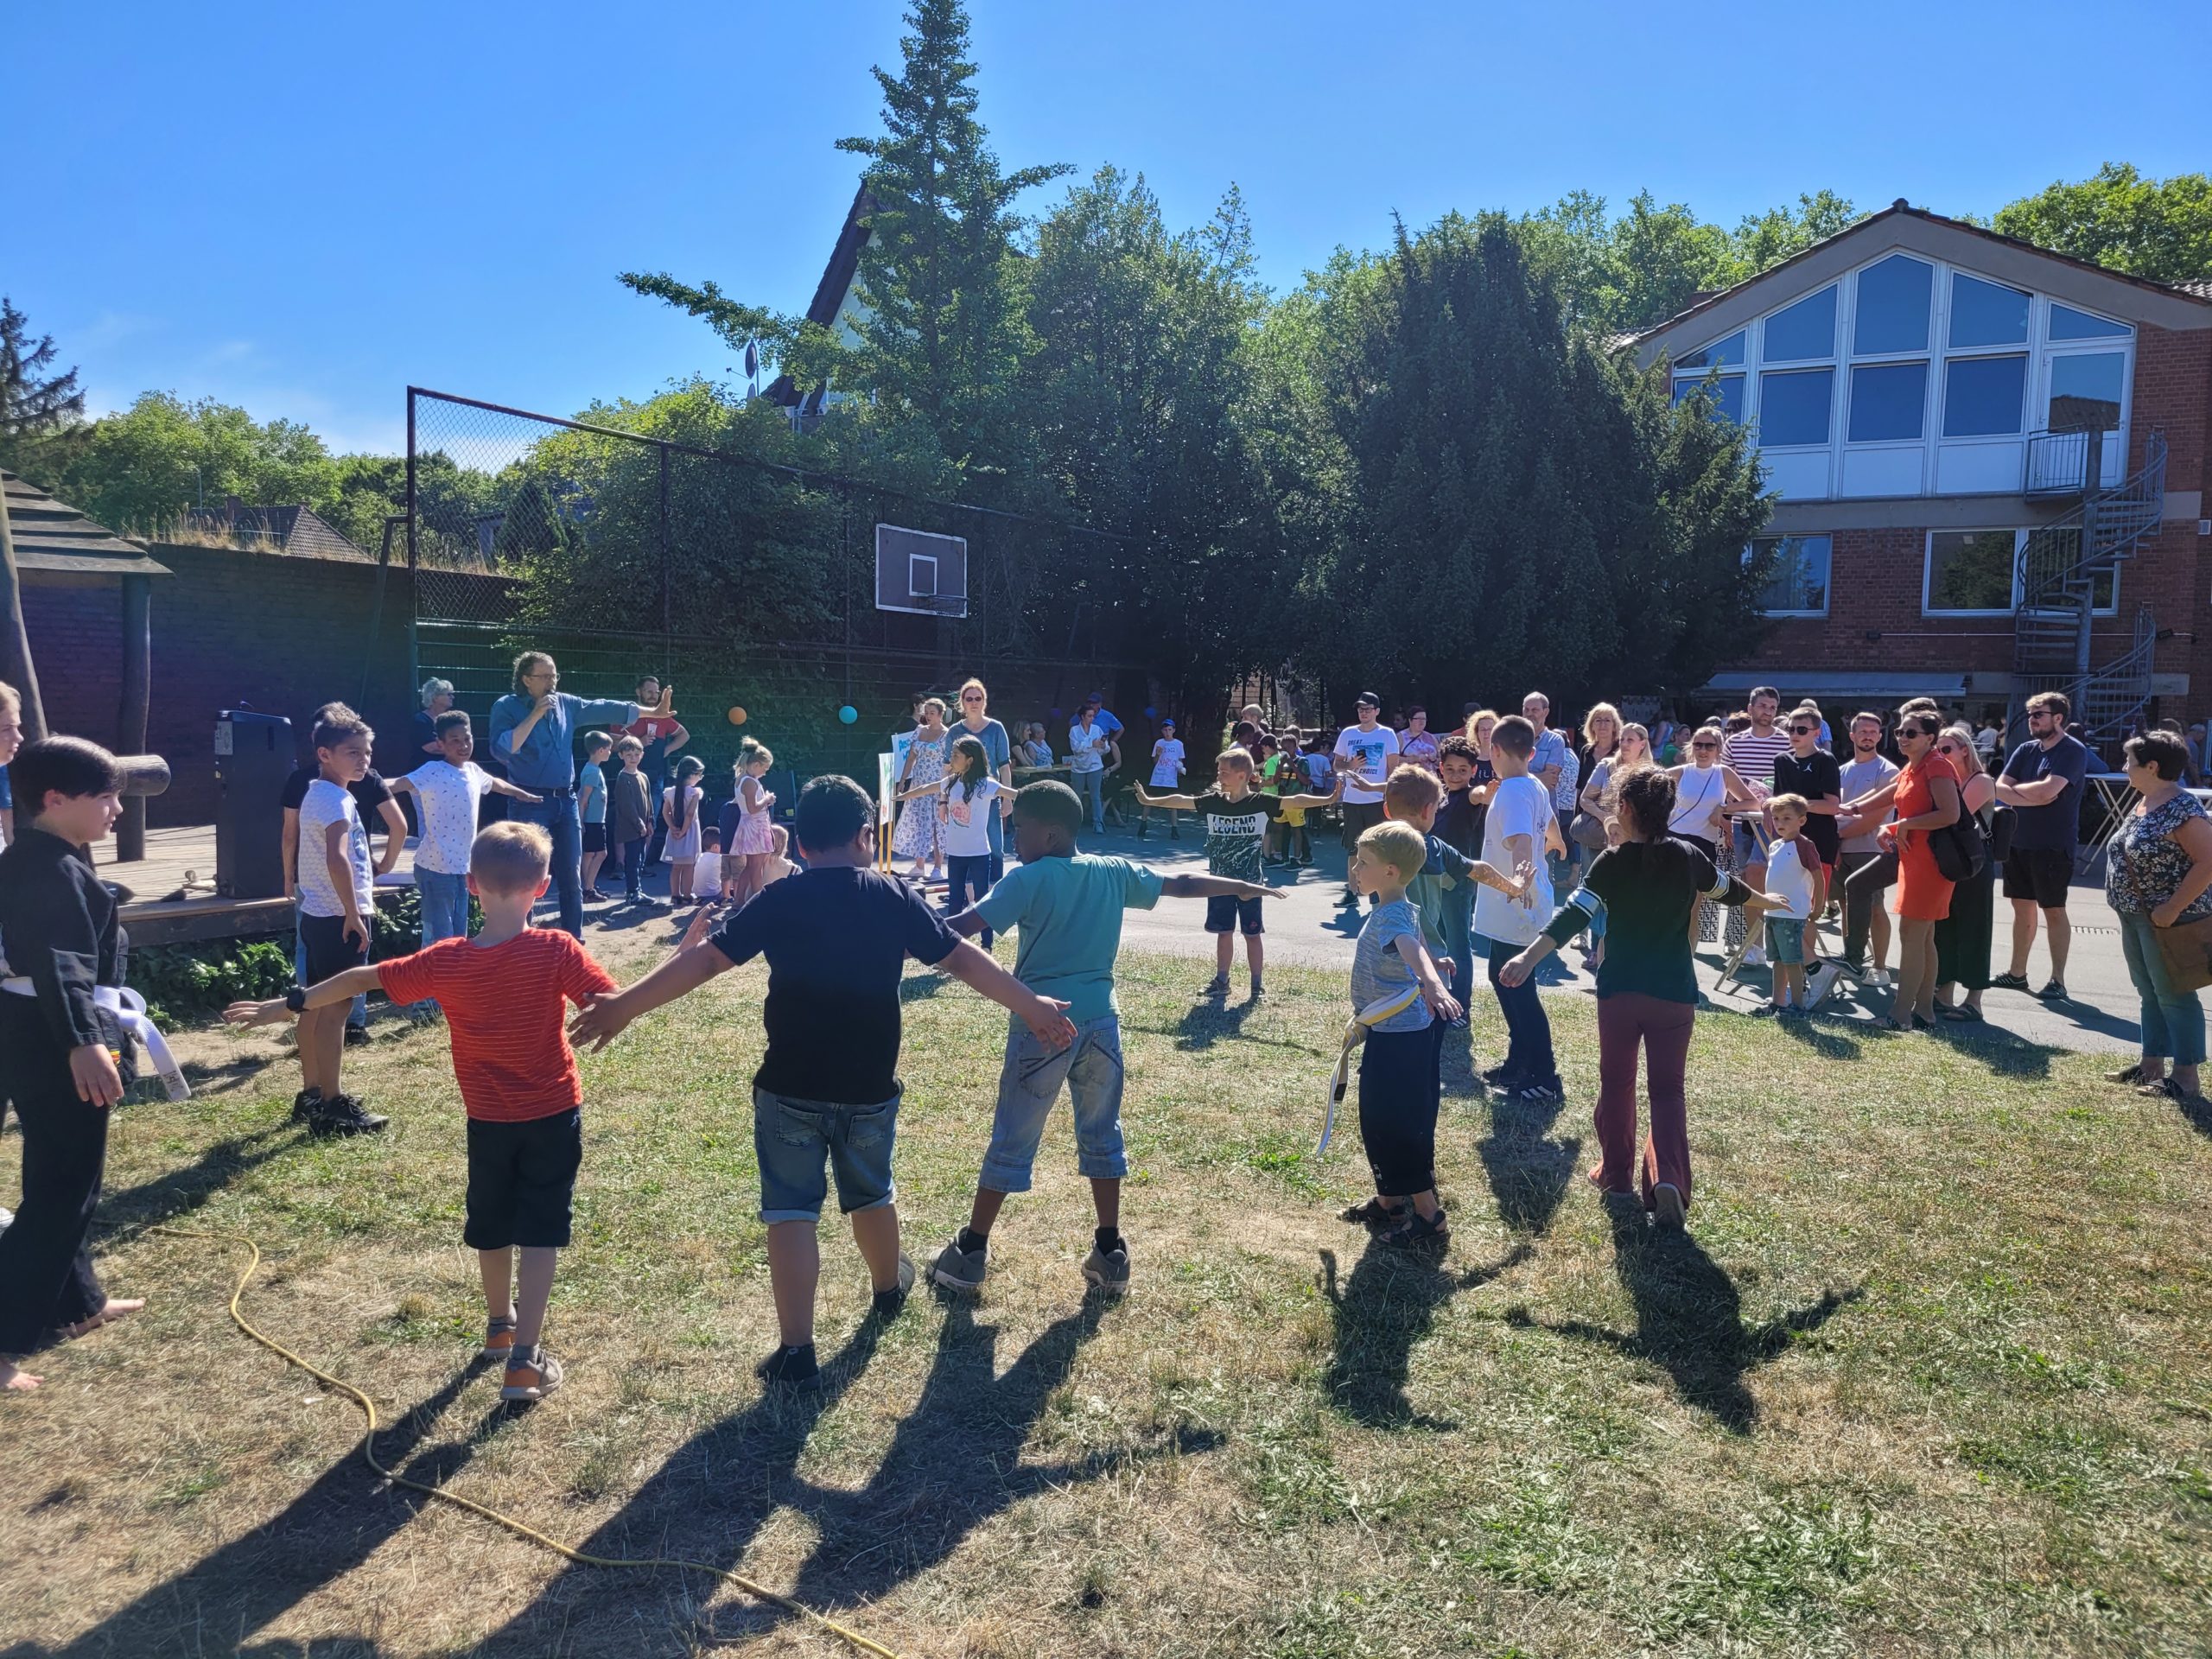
15 638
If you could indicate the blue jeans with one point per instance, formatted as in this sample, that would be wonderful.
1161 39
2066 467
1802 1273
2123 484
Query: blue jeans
1528 1056
445 904
1458 919
2173 1021
1091 785
1029 1084
556 814
793 1137
357 1011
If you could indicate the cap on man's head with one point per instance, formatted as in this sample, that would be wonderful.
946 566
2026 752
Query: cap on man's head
1367 700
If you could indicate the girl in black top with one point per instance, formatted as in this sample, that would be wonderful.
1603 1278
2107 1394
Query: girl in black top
1647 988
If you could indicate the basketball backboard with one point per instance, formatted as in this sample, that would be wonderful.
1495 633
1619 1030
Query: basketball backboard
920 572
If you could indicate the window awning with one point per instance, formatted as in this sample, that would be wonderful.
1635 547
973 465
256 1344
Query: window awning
1842 684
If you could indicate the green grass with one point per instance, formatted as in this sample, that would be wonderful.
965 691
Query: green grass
1931 1373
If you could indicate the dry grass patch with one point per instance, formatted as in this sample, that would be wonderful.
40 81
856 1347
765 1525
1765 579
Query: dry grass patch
1931 1374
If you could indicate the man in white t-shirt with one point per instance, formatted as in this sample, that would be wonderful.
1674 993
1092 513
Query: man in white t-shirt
1514 836
1363 756
447 793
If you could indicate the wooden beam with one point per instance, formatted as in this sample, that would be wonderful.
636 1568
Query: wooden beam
15 638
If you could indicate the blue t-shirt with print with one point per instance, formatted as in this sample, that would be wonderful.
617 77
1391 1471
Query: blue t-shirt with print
1068 912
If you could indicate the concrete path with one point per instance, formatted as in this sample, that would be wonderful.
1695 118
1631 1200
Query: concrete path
1306 927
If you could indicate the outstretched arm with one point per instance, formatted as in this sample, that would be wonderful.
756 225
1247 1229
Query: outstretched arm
501 786
339 988
1046 1018
601 1019
1214 887
1184 803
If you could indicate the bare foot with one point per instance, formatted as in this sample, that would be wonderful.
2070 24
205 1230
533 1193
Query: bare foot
109 1315
16 1379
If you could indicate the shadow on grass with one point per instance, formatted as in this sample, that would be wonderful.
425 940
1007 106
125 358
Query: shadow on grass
324 1534
179 1192
2006 1055
1528 1172
1690 1319
1380 1313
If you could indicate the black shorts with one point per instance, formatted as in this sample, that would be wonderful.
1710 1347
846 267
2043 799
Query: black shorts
595 837
1226 913
2042 873
328 950
1360 816
522 1180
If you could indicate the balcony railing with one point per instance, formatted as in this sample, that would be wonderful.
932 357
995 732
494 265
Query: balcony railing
2072 460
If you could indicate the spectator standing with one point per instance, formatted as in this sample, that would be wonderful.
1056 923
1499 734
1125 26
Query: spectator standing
1809 770
1549 759
437 700
1417 744
976 722
1363 753
920 836
1090 740
1926 800
11 739
591 805
1514 837
372 802
533 734
1866 781
2043 781
1167 764
2159 875
1750 754
1963 937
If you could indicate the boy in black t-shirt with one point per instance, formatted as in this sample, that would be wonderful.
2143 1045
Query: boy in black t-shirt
836 936
1236 818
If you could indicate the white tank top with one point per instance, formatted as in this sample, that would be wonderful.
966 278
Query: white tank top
1693 814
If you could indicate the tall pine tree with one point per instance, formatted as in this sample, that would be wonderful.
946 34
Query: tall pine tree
41 415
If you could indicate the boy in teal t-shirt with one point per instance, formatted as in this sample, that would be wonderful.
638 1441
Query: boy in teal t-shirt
1066 907
591 805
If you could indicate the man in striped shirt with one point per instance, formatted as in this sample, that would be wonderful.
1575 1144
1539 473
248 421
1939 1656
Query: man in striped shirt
1752 755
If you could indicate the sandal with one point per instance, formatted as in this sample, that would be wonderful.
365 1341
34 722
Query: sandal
1375 1214
1964 1013
1417 1231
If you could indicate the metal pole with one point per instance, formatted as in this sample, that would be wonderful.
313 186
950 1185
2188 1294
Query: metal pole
2092 486
412 566
667 598
131 720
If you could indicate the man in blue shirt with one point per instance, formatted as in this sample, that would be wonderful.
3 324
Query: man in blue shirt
533 736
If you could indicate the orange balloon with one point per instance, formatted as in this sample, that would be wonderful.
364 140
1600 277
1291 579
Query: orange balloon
737 716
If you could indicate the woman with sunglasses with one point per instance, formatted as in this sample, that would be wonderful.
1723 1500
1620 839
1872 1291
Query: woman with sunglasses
1963 937
998 749
1704 788
1927 800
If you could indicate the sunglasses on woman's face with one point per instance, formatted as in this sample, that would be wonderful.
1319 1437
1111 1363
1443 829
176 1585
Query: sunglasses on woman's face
1705 746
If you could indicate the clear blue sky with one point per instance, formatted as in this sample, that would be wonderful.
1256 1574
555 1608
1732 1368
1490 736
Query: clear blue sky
303 208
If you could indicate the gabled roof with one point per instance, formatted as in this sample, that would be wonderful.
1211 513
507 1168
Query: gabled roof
50 536
295 529
836 283
2186 305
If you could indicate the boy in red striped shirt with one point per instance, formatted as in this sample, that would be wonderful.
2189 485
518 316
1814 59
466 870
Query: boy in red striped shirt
505 995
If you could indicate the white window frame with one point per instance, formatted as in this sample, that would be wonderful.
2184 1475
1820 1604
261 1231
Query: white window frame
1828 587
2019 545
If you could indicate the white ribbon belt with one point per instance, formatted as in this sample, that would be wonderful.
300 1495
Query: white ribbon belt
130 1011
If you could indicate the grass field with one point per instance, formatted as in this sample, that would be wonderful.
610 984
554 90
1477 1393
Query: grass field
1931 1373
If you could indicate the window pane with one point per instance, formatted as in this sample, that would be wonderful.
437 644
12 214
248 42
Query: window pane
1970 570
1888 402
1794 407
1984 314
1720 354
1800 578
2066 323
1728 394
2085 392
1893 306
1804 330
1983 395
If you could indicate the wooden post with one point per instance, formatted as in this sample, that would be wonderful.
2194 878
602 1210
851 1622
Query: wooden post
137 692
15 638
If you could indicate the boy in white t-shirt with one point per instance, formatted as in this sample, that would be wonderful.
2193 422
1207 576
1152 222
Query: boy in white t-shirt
447 793
337 895
1515 835
1793 873
1363 755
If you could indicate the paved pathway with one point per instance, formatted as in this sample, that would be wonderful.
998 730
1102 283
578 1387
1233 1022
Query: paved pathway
1306 927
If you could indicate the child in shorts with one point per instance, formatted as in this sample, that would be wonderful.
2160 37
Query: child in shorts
836 936
1068 908
1236 817
591 804
1792 874
1399 1088
337 898
504 994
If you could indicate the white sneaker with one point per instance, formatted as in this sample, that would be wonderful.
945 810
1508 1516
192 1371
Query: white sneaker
7 1219
1822 981
1754 957
1880 978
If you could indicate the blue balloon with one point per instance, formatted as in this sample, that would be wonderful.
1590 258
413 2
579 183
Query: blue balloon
849 713
1151 712
1056 714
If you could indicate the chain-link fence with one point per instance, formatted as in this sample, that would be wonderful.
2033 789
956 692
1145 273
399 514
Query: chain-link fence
749 586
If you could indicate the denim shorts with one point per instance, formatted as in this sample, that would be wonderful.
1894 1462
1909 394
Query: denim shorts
791 1138
1785 941
1029 1084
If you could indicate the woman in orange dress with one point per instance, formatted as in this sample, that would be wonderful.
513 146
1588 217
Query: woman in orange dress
1926 800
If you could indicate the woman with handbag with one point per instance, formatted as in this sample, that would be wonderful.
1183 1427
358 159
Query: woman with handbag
2159 881
1963 937
1927 802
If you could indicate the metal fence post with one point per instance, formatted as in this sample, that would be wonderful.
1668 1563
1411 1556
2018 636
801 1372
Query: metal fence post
667 612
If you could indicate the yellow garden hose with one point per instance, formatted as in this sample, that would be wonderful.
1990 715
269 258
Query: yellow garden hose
853 1638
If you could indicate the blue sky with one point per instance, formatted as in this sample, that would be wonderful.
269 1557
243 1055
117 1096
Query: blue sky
304 208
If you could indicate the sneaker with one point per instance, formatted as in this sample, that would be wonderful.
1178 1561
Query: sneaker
498 1339
1754 957
889 1304
1216 989
1880 978
304 1104
958 1270
343 1114
530 1376
1822 981
2008 982
7 1218
1539 1093
2053 991
790 1367
1141 835
1499 1077
1108 1271
356 1036
1259 991
1667 1209
1855 966
1766 1011
1348 900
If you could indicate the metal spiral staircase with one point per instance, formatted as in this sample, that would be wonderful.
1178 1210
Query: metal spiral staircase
2066 566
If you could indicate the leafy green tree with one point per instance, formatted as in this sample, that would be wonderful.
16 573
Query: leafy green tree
139 471
1764 239
41 414
2161 229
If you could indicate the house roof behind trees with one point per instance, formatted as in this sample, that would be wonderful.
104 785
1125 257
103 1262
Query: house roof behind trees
291 529
49 535
836 283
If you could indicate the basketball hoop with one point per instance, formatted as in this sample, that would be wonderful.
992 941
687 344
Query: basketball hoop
920 572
